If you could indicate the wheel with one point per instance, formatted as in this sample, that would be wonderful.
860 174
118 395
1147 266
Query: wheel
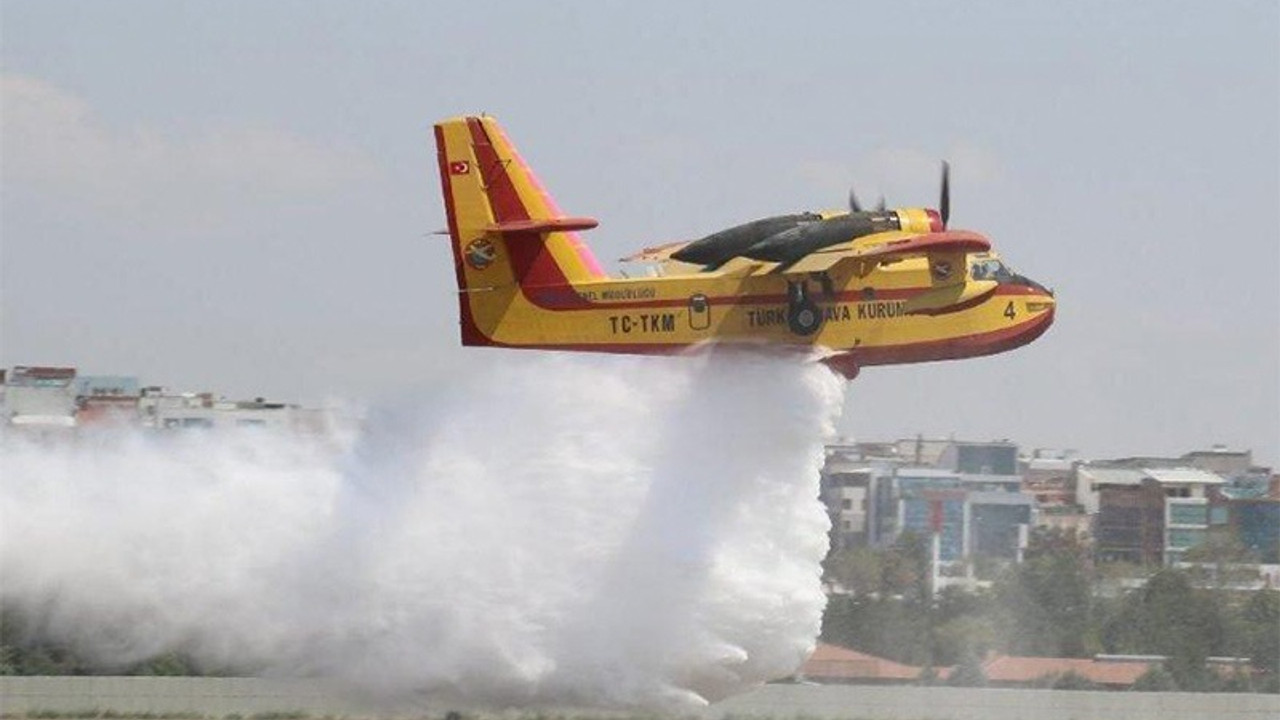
803 315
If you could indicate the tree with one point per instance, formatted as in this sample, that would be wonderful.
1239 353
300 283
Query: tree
1072 680
888 627
857 569
1155 679
1219 547
1261 617
961 636
1239 680
1045 603
25 652
167 664
1057 542
1225 557
968 672
1168 617
905 567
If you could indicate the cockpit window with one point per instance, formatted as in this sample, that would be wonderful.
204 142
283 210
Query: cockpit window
990 270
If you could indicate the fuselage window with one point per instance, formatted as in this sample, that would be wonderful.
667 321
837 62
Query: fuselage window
990 270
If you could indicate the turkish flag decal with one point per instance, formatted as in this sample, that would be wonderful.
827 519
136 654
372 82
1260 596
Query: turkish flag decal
459 167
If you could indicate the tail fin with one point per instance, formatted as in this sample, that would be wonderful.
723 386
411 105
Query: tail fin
506 230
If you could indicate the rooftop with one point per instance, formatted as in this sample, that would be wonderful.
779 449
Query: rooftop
835 663
832 663
1111 475
1103 475
1184 476
1013 669
1218 451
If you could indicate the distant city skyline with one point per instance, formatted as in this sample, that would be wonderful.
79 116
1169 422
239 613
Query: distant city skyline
1063 452
240 196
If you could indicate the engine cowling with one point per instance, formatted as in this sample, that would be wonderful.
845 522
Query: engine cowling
920 220
720 247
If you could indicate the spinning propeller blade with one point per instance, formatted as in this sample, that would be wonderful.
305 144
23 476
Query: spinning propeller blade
944 203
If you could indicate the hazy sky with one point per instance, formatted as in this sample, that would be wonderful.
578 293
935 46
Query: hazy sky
234 195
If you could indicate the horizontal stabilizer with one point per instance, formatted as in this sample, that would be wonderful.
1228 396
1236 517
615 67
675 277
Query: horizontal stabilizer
553 224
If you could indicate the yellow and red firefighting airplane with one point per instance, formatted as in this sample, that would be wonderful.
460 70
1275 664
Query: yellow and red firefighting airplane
863 287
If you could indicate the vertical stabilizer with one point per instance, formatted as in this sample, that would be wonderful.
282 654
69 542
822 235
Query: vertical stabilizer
505 229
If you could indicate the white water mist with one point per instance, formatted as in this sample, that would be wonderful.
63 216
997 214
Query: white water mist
556 529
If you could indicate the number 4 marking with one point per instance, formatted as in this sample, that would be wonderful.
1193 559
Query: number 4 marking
1009 311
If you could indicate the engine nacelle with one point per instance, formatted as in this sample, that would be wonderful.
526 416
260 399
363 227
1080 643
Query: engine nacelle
720 247
920 220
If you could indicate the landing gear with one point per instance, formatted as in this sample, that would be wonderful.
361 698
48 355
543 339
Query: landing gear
828 287
803 315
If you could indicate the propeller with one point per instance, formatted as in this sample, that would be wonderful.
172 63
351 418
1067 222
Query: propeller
856 206
944 203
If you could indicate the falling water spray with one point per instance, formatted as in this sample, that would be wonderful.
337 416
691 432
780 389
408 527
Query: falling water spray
620 532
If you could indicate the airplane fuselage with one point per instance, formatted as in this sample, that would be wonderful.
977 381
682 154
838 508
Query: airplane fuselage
865 321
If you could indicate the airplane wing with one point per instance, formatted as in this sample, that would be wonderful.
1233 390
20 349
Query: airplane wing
948 241
657 253
658 260
661 257
951 289
866 252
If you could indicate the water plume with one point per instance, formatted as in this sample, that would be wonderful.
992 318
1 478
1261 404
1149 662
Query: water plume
551 529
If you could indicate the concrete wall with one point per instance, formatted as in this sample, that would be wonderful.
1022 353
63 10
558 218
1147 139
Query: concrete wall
912 703
158 695
217 697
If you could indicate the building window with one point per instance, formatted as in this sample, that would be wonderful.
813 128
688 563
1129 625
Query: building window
1183 539
846 504
1180 514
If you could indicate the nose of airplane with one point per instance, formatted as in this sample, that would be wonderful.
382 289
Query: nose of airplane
1028 282
1039 303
